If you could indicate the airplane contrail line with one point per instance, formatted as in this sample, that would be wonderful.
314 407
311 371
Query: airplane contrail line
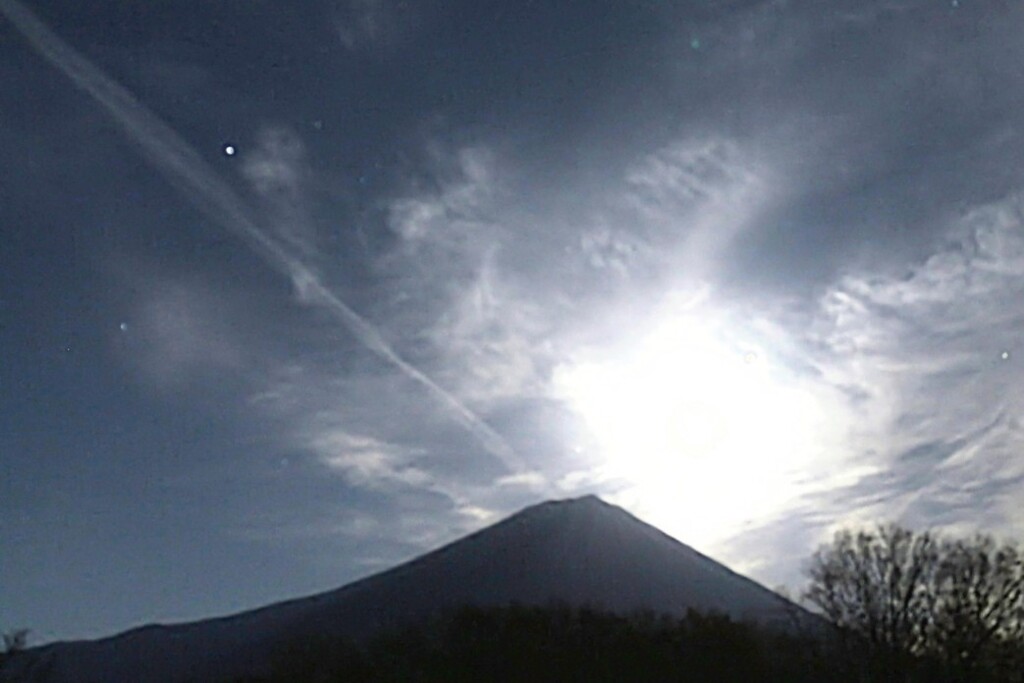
185 168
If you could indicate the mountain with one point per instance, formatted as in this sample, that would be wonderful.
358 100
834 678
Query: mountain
581 552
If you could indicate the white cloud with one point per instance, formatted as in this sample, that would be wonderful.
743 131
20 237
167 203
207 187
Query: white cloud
179 333
670 216
863 14
483 331
673 211
431 496
368 462
450 215
692 171
529 480
696 195
361 22
324 413
934 407
935 353
277 170
413 218
370 26
492 340
608 248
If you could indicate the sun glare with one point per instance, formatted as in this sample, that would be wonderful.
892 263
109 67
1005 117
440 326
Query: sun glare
707 433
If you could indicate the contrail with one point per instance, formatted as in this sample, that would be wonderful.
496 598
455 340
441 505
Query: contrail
185 168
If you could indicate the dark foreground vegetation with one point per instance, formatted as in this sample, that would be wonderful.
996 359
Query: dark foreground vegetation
567 644
560 644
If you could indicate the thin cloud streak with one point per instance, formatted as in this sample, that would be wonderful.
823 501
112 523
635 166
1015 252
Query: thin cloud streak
184 167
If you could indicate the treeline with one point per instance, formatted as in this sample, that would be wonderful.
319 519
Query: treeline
560 643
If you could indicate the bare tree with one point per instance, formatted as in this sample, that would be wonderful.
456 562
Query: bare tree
902 596
875 586
980 612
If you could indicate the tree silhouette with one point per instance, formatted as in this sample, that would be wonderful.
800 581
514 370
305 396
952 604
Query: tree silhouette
904 601
979 612
13 642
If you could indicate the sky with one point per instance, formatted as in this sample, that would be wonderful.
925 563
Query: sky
292 292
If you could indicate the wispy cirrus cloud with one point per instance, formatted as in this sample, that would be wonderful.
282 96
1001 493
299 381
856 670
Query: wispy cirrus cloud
494 335
427 478
277 169
444 302
451 212
695 196
175 332
361 23
498 294
203 186
936 350
494 340
369 462
368 26
179 334
929 359
451 283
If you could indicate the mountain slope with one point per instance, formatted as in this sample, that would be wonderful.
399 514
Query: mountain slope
581 551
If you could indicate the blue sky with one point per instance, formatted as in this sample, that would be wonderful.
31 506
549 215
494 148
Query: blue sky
290 292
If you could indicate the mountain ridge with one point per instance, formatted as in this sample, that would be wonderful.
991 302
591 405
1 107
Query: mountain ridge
580 551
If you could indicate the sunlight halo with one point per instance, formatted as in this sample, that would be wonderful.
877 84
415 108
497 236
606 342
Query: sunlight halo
705 430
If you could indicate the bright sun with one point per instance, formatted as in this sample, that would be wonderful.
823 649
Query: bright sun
707 434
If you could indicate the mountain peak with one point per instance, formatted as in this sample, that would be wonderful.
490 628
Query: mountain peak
578 551
588 501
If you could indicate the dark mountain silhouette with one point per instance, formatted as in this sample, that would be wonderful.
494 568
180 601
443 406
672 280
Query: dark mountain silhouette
579 552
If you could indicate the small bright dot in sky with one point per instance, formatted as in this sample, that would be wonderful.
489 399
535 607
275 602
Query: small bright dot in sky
695 43
1005 355
124 327
229 150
